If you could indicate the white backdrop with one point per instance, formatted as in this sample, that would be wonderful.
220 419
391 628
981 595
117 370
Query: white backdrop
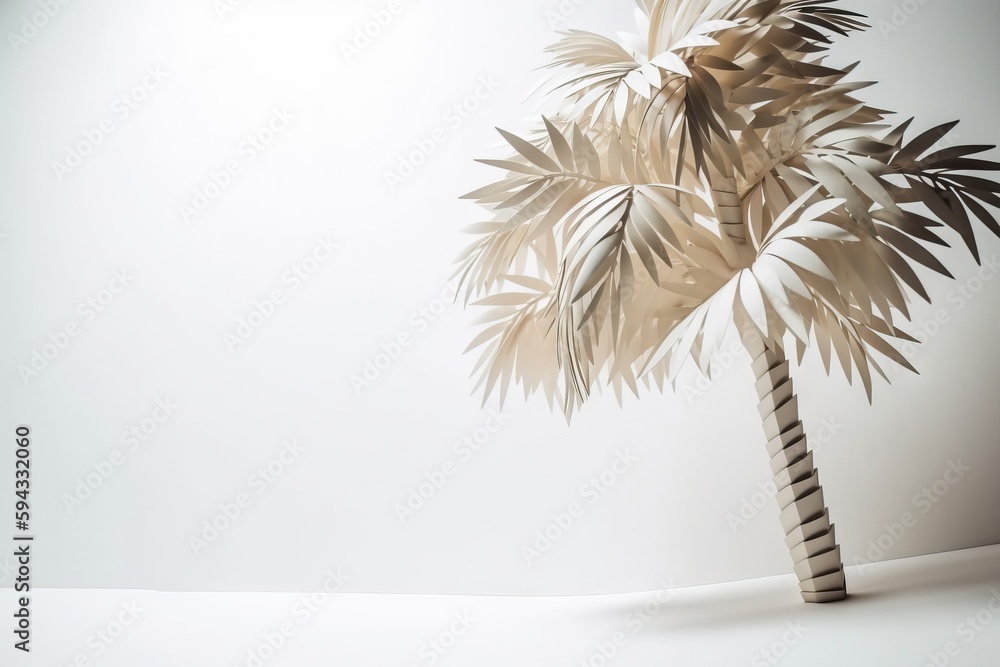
171 169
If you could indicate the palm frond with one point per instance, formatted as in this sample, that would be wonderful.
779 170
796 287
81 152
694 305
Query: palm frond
722 176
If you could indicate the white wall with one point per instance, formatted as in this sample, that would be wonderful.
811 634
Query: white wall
163 335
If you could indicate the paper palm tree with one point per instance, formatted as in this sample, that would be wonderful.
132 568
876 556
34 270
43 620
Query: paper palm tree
715 173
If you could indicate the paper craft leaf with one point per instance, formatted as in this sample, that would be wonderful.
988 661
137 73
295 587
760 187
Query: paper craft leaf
714 173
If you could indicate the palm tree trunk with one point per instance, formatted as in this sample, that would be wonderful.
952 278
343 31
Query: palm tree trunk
810 536
728 207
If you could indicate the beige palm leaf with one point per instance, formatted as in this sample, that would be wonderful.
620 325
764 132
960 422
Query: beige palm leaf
714 172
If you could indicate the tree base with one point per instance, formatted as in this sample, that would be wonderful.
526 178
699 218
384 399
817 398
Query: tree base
823 598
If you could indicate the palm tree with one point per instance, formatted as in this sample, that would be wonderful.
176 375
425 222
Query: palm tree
714 173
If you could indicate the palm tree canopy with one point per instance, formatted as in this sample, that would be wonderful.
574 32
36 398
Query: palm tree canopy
709 172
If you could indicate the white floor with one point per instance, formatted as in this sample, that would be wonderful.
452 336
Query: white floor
909 612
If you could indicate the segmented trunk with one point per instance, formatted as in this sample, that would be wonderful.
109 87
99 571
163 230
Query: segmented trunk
728 208
810 536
